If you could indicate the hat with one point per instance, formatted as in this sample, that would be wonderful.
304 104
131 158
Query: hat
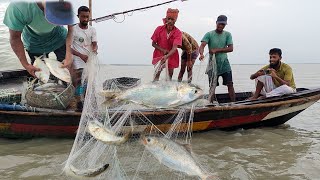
222 19
59 13
172 13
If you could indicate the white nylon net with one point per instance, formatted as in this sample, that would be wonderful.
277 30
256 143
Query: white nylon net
122 139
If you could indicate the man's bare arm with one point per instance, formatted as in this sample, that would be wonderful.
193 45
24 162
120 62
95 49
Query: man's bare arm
94 46
201 50
68 59
18 49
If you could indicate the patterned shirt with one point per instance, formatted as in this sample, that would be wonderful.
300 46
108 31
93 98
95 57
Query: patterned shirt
189 44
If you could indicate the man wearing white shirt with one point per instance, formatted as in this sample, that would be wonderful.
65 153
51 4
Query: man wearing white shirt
84 42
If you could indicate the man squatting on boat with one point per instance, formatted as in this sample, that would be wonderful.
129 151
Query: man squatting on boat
274 79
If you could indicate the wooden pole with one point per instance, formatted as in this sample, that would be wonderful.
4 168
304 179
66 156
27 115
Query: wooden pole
90 7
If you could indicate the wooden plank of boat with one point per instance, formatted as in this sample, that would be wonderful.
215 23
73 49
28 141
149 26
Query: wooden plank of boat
241 114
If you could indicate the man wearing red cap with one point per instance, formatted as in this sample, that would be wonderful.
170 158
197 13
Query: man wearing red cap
165 40
40 26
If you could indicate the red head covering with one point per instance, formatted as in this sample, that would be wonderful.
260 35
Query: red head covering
172 13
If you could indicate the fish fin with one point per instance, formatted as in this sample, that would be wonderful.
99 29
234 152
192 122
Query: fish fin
38 57
173 103
186 146
109 94
125 138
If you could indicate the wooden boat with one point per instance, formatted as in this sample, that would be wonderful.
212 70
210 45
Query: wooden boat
22 122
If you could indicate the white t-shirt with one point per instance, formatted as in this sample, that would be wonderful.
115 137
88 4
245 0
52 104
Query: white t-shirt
82 42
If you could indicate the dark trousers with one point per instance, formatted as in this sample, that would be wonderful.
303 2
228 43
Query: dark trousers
60 53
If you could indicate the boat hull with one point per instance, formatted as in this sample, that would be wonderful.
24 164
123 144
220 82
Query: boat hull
227 116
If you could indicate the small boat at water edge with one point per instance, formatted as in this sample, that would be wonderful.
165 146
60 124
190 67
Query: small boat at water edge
17 121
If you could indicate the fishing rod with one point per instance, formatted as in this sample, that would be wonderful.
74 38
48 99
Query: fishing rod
112 16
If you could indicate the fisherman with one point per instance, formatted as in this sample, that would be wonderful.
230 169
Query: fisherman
84 41
220 43
275 79
190 52
40 24
165 40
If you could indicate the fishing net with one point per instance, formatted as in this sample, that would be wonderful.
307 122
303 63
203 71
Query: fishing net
113 137
11 95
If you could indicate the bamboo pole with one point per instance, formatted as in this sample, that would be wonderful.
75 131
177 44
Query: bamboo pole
90 7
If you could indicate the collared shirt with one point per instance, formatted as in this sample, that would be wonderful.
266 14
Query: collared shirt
38 35
189 44
167 41
285 73
216 40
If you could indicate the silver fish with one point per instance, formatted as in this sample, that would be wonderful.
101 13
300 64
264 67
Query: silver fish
105 135
55 68
44 74
159 94
86 173
174 156
50 87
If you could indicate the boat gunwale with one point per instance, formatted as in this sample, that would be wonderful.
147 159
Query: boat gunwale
224 107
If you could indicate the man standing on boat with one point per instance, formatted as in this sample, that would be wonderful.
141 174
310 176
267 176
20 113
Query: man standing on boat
40 25
275 79
165 40
220 43
190 52
84 41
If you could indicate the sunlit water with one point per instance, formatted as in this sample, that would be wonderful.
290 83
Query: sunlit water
286 152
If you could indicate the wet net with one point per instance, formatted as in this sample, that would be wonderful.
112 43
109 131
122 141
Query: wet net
133 129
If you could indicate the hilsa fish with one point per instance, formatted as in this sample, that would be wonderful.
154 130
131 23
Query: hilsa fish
50 87
106 135
158 94
174 156
72 171
44 73
55 68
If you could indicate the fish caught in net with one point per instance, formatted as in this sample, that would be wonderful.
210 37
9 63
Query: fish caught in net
135 130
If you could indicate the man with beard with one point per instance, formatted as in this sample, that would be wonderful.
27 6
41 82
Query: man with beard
165 40
220 43
40 25
84 42
275 79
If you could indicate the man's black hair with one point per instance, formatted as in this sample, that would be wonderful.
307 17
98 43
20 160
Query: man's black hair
275 51
83 9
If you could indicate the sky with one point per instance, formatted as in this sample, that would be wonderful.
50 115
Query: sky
256 27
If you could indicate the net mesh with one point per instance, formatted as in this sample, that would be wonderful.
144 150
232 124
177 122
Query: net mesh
112 140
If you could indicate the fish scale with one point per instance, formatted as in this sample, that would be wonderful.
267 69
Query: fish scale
162 94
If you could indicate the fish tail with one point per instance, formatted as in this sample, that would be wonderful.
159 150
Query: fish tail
126 137
109 94
72 171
